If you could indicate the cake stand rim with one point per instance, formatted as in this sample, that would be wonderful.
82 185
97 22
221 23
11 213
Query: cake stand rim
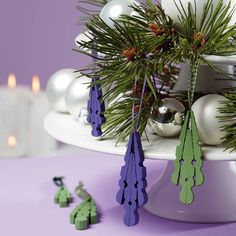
54 123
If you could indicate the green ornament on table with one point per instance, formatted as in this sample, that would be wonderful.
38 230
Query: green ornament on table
86 213
63 197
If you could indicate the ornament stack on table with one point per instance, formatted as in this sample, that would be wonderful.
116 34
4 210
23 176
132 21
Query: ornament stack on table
136 50
21 120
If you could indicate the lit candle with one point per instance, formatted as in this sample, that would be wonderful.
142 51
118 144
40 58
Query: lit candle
11 141
39 141
11 81
14 110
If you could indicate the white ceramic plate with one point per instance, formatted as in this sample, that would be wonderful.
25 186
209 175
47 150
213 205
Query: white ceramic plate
65 129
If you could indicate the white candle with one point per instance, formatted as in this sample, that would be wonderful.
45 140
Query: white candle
171 9
39 141
14 109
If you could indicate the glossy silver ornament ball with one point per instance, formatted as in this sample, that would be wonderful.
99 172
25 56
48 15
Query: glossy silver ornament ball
57 86
77 96
115 8
206 111
167 119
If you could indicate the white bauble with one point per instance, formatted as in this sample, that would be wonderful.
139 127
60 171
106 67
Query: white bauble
206 110
85 37
56 88
82 37
115 8
171 9
77 96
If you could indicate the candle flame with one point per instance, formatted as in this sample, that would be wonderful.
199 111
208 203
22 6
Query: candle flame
36 84
11 141
11 81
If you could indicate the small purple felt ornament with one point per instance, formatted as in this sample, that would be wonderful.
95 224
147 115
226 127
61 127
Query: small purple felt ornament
95 106
133 182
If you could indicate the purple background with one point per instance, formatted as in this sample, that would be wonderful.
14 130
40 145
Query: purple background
37 37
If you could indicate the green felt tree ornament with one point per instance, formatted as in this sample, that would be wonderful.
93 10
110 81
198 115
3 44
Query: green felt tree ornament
198 40
188 163
86 213
62 197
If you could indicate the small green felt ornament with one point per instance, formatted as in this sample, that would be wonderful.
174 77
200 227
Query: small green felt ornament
86 212
62 197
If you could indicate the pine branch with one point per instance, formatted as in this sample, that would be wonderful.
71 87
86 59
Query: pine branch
88 8
140 46
228 120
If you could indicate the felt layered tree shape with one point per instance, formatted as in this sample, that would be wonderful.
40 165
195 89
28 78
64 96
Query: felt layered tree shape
62 197
86 212
96 106
133 181
188 163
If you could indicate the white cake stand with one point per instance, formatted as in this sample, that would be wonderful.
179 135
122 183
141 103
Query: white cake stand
215 200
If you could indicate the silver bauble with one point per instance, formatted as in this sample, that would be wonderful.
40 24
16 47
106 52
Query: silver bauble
77 96
206 111
56 88
83 118
115 8
167 119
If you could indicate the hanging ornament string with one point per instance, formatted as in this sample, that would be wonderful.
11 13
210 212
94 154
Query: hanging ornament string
188 163
192 80
133 182
140 106
96 107
133 106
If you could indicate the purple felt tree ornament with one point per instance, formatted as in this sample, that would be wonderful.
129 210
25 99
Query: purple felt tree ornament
133 182
96 106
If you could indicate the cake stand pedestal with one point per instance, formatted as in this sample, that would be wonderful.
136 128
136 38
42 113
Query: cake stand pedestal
215 200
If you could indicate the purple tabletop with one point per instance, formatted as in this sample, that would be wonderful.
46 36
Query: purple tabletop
27 191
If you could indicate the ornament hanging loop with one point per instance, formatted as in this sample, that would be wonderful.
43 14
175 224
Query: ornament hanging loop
58 181
194 63
140 105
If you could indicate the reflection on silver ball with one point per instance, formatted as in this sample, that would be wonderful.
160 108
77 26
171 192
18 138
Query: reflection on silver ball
77 96
206 111
83 117
115 8
56 88
167 119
